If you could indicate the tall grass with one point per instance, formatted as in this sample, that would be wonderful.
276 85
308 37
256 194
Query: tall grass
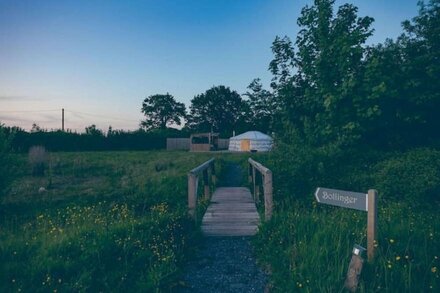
111 221
307 246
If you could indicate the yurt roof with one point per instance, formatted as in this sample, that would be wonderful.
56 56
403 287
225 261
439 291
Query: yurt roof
255 135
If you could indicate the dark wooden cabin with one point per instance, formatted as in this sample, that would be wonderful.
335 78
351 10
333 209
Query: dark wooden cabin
204 142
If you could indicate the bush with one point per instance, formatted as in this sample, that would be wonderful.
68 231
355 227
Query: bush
300 169
37 160
5 161
413 176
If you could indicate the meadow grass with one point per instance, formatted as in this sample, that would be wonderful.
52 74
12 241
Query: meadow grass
113 221
307 246
109 221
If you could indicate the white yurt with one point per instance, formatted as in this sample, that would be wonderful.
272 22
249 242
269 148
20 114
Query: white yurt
251 141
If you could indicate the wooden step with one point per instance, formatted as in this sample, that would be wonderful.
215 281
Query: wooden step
232 212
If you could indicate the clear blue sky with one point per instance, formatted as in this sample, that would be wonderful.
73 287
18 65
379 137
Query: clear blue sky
103 57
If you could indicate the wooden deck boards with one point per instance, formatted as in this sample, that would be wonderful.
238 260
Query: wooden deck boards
232 212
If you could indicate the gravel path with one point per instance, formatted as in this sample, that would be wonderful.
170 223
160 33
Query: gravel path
224 264
232 176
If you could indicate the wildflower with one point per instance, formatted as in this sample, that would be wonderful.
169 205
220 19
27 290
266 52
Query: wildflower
391 241
434 270
397 257
389 266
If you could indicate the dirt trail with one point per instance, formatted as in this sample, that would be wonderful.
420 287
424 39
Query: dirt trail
224 264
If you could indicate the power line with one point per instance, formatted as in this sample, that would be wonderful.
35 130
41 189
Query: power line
75 112
28 111
101 116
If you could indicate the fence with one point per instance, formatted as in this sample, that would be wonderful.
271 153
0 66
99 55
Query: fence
193 180
177 144
223 143
174 144
259 175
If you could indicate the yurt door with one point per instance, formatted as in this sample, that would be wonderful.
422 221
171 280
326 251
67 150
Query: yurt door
245 145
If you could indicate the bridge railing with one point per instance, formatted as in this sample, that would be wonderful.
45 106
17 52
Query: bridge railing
207 170
261 176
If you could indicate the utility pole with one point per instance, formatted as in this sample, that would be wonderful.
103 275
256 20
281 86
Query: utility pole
62 121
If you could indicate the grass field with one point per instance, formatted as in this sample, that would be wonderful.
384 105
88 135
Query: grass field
113 221
109 221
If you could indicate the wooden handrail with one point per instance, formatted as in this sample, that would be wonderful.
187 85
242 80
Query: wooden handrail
202 167
193 179
266 175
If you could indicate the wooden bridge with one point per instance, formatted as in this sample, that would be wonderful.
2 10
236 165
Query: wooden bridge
232 211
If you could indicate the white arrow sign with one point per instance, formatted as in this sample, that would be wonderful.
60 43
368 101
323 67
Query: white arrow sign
341 198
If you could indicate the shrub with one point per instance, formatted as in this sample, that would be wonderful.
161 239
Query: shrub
413 176
299 169
37 160
5 161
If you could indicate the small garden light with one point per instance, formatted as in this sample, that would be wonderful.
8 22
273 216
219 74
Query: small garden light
355 268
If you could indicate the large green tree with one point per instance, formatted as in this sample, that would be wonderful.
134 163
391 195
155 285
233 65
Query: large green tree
420 44
262 106
219 109
402 77
321 92
161 111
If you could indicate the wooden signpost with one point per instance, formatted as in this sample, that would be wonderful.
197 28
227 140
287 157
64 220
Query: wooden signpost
358 201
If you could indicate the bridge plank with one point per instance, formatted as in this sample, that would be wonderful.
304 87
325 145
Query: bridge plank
232 212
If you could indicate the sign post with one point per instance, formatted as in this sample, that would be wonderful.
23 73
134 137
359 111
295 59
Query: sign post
371 224
358 201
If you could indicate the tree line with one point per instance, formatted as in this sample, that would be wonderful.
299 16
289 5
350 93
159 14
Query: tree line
218 109
329 87
93 139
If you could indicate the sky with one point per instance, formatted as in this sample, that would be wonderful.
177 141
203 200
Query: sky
99 59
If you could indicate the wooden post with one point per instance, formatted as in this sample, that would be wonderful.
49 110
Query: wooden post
253 180
250 172
257 186
206 183
192 195
371 224
213 176
354 269
268 202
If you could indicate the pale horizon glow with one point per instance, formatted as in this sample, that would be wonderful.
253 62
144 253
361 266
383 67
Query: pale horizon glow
102 58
